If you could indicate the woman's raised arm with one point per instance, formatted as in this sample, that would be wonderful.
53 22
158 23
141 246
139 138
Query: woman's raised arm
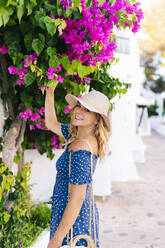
50 113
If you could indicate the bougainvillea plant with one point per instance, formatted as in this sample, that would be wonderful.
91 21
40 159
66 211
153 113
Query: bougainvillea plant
65 42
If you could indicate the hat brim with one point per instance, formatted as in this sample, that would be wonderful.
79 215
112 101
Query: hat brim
72 100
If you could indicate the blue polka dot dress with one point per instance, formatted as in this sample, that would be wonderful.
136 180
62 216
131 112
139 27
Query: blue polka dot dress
80 174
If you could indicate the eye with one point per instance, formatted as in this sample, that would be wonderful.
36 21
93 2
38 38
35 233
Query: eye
87 110
78 105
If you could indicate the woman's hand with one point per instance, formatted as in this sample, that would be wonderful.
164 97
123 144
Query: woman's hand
54 243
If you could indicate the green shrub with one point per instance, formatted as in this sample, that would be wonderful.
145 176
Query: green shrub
20 221
41 215
152 110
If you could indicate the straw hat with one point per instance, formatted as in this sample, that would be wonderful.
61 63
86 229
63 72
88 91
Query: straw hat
95 101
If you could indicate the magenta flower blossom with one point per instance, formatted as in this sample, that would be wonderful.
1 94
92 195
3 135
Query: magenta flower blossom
21 73
41 87
51 72
39 126
60 79
87 79
35 117
20 82
55 142
32 127
3 49
12 70
33 57
41 111
26 62
67 109
26 114
89 37
66 4
36 146
19 107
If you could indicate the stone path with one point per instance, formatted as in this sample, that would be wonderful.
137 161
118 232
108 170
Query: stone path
134 215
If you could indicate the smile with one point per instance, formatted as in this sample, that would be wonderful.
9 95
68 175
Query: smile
78 118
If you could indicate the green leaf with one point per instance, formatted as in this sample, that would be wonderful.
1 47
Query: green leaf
51 51
73 67
16 158
29 78
37 46
52 82
14 48
42 38
39 17
5 13
101 2
82 70
11 36
54 61
20 11
65 62
77 4
50 25
68 12
28 41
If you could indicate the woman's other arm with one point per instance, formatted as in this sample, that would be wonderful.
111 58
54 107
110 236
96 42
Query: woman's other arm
50 113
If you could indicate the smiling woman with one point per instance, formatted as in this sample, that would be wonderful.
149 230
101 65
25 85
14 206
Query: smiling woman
87 136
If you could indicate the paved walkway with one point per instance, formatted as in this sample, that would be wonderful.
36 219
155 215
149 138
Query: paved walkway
134 215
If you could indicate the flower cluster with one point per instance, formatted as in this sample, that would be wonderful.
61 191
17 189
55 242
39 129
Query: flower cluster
56 142
66 4
89 37
3 49
51 73
22 71
36 120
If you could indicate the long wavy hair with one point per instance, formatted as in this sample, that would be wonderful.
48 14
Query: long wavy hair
101 132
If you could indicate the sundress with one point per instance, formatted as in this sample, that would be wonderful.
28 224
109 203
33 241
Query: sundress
80 174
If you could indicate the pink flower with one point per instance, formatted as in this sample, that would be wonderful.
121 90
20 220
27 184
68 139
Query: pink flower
35 117
21 73
20 82
26 114
41 111
67 109
87 79
32 127
41 87
39 126
19 107
50 73
60 79
3 50
36 146
33 56
12 70
26 62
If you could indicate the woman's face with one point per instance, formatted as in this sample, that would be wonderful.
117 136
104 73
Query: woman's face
82 116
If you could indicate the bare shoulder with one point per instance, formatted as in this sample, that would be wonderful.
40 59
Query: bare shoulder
85 144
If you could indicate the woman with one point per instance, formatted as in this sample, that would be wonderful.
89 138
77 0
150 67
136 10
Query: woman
87 135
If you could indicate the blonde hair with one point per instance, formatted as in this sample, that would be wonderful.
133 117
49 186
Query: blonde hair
101 131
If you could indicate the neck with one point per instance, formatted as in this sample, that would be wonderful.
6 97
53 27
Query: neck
84 131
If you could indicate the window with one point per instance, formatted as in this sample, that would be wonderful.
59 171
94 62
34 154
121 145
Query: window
123 45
